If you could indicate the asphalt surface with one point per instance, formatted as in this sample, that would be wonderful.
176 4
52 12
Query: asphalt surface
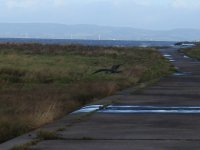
132 131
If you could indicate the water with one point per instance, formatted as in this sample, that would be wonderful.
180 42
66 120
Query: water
169 57
182 74
89 108
186 56
151 109
126 109
90 42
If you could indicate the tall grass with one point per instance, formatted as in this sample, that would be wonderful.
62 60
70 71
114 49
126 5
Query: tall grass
193 52
40 83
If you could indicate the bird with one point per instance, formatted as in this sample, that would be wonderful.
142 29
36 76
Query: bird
113 69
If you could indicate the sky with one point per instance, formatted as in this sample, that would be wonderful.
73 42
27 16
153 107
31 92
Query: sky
144 14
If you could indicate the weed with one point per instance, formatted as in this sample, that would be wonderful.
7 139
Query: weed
60 129
25 146
47 135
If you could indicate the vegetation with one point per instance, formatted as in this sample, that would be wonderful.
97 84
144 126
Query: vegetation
40 83
193 52
47 135
26 145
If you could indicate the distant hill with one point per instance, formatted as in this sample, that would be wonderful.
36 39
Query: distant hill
61 31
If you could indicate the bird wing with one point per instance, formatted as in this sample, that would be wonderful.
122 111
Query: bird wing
115 67
101 70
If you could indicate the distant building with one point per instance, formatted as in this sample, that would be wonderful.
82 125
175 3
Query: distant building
188 44
185 44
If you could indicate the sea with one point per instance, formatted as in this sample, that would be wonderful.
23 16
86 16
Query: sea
90 42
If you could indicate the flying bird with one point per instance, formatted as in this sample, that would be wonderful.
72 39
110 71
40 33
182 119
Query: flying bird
113 69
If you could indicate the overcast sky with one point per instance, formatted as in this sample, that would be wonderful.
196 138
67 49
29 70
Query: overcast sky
148 14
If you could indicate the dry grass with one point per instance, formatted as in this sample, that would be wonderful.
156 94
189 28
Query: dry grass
40 83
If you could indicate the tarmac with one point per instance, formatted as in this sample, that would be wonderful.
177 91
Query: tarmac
123 130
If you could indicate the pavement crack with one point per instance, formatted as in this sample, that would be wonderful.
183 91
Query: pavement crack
93 139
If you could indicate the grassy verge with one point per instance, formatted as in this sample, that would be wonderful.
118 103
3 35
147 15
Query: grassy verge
40 83
193 52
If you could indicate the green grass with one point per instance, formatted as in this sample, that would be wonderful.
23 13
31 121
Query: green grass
193 52
40 83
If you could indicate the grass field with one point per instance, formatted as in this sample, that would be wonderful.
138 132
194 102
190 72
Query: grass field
193 52
40 83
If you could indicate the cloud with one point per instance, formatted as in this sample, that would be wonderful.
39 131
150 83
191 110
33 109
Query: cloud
19 3
59 3
26 4
136 13
179 4
186 4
